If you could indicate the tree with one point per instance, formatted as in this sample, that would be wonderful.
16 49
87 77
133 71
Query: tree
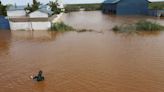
33 7
3 9
28 8
54 7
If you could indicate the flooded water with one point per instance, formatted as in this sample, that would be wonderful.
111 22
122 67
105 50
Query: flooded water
98 61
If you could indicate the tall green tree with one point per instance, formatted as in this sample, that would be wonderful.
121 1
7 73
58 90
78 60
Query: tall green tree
3 9
54 7
33 7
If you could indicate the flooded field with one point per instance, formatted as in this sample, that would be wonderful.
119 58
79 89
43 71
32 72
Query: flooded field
98 61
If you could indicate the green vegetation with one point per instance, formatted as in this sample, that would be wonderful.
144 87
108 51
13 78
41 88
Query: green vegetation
116 28
86 7
124 28
54 7
156 5
84 30
61 27
71 8
148 26
139 26
36 4
33 7
3 9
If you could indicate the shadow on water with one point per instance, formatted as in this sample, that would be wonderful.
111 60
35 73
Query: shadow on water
40 36
40 87
5 40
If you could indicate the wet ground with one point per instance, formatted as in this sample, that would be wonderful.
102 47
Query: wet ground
98 61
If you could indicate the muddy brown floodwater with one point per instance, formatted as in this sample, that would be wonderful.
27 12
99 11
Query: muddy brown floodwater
98 61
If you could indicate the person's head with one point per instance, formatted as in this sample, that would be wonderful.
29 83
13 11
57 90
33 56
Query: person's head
40 72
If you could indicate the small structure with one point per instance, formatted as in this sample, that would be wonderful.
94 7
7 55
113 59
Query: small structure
29 23
126 7
4 23
37 20
132 7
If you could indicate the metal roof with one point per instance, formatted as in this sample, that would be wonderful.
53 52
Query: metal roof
116 1
14 8
156 1
46 10
111 1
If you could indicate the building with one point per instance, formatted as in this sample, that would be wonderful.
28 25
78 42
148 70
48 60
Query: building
4 23
37 20
133 7
126 7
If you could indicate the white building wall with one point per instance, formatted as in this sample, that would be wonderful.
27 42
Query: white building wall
38 14
20 25
41 25
30 25
16 13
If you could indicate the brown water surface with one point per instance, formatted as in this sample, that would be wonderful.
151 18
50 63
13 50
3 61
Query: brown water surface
98 61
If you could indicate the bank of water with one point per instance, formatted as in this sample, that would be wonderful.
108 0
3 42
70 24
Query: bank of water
98 61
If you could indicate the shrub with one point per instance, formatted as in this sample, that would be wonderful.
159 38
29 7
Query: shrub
115 28
148 26
139 26
87 7
61 27
84 30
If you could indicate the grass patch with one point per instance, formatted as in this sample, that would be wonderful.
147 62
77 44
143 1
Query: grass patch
84 30
124 28
148 26
61 27
86 7
116 28
71 8
156 5
139 26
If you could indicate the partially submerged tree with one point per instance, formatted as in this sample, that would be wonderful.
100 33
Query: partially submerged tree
33 7
3 9
54 7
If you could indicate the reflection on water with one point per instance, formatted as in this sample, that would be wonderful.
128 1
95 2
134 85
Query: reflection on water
35 35
5 37
82 62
